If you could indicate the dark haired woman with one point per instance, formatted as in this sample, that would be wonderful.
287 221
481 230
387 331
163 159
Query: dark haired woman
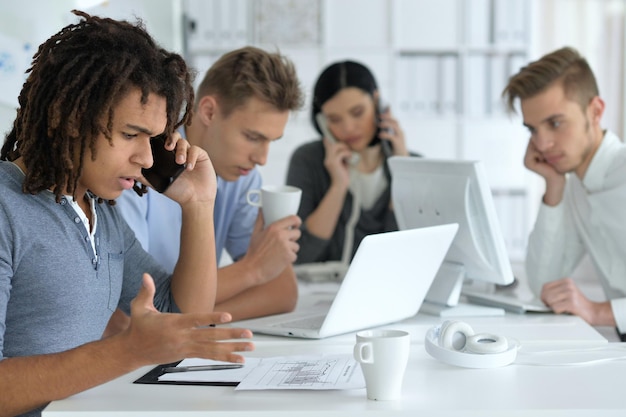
345 181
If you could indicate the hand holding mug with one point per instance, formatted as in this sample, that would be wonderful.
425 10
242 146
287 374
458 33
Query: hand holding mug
276 201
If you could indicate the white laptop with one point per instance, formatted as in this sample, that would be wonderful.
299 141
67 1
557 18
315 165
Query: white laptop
385 282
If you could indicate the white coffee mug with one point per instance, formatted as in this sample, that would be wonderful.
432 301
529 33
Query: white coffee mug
383 355
276 201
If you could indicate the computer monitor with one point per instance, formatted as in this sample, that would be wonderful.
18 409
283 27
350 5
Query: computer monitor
428 192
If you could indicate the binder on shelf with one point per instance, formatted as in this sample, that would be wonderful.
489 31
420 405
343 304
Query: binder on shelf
509 22
426 95
477 23
498 77
240 21
222 13
518 16
501 24
200 25
216 24
405 87
448 85
476 86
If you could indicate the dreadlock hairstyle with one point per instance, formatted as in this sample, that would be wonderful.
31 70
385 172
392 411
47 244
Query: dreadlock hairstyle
75 81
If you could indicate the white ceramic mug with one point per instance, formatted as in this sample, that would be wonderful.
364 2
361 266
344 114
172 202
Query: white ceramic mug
276 201
383 355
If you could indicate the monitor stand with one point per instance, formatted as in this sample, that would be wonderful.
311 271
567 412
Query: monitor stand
442 299
459 310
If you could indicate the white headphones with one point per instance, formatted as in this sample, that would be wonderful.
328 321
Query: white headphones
455 343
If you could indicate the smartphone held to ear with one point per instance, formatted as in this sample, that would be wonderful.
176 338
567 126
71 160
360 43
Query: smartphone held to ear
165 169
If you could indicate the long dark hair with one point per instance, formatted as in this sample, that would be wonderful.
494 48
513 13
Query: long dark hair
76 79
336 77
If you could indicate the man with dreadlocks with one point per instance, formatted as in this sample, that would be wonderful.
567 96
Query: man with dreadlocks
97 92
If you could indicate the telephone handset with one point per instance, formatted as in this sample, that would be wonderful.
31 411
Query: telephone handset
381 107
323 124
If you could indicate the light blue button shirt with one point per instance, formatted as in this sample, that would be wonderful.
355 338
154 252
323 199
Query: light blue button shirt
157 220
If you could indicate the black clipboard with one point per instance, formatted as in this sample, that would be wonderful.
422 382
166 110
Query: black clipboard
152 377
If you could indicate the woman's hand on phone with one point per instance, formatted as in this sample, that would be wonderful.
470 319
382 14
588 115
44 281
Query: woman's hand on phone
337 161
391 131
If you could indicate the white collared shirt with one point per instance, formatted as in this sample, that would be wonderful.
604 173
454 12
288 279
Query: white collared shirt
591 219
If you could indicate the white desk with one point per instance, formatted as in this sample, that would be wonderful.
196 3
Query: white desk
430 388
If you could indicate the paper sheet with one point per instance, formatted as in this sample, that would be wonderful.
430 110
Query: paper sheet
311 372
322 372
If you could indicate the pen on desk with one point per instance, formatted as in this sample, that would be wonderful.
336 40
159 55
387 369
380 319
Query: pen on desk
202 368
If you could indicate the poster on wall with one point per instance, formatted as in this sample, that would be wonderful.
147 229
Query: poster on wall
14 61
287 22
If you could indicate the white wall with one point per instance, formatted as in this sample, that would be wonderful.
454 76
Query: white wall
595 27
31 22
29 25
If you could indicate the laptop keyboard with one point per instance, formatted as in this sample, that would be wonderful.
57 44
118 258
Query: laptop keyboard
314 322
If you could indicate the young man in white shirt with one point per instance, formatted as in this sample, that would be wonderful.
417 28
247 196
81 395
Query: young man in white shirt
584 206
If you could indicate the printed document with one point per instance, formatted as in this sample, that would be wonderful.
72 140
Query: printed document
312 372
323 372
